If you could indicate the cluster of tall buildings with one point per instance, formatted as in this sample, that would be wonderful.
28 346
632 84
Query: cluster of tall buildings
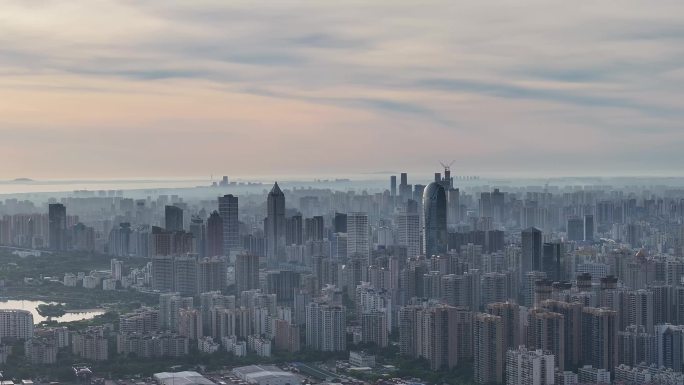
526 284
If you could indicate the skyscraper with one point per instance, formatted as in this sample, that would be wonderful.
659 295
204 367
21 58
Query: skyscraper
488 349
572 320
173 218
313 228
599 338
510 322
408 232
211 274
393 186
405 189
575 229
185 275
340 223
546 331
214 235
358 237
669 351
57 224
199 235
246 272
374 328
326 327
274 226
552 260
283 284
437 336
228 209
454 206
293 230
162 272
589 227
434 220
531 250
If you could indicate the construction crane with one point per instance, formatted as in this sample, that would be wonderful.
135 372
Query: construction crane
447 174
447 167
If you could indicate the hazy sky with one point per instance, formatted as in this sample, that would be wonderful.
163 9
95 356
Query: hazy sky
188 88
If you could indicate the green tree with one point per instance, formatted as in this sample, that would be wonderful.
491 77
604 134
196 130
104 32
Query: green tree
51 310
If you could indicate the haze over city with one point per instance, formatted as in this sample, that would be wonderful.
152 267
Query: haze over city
341 192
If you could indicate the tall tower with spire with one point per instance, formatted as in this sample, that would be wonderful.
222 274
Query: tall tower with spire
274 225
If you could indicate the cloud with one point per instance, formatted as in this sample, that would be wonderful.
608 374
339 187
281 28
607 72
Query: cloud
492 80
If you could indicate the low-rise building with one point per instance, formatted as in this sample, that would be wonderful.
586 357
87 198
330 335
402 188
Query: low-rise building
181 378
591 375
208 345
361 360
151 345
261 346
91 282
265 375
108 284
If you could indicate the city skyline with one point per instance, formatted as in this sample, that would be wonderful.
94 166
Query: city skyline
135 89
395 192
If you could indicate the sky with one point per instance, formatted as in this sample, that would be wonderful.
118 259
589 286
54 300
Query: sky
140 88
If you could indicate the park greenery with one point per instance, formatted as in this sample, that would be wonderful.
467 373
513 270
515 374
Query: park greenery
38 278
51 310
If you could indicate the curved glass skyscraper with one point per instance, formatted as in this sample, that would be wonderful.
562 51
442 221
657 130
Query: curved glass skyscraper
434 220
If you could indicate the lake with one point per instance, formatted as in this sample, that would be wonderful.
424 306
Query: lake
32 306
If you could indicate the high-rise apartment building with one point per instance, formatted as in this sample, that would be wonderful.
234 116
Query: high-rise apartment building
358 237
326 327
510 322
575 229
529 367
488 349
374 328
211 274
228 209
546 331
669 351
453 206
437 336
16 324
215 245
185 275
589 227
408 232
599 338
572 329
246 272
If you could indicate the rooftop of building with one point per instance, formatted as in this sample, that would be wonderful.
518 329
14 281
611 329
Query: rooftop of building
256 373
182 378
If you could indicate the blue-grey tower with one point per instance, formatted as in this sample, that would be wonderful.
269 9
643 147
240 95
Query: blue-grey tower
275 225
434 220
